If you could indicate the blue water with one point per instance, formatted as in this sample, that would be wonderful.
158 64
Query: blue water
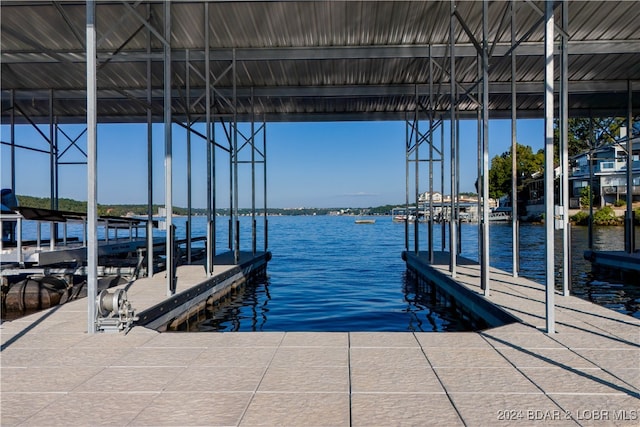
330 274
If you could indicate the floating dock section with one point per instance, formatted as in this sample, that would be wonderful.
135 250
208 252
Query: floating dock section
190 301
623 262
469 304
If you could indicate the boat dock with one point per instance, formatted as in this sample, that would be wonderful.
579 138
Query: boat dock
588 373
615 260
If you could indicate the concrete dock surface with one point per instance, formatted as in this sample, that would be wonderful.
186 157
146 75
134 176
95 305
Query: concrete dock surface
588 373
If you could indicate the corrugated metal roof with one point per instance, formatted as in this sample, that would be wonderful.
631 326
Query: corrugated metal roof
313 60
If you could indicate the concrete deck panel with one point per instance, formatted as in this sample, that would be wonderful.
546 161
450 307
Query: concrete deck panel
588 373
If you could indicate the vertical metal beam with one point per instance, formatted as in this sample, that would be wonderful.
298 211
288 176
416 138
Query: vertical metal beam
210 147
443 224
592 149
92 161
484 273
253 178
53 228
406 205
231 195
189 187
56 164
52 154
479 181
564 148
236 217
416 236
548 166
452 76
629 230
431 130
168 147
264 165
515 224
149 157
13 141
458 223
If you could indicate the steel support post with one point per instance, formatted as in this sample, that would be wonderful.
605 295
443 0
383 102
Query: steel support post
452 76
231 198
168 147
564 148
188 114
458 223
479 181
149 157
92 162
628 224
443 225
52 154
264 165
214 202
56 164
592 148
253 178
210 147
13 141
515 224
189 187
431 130
236 217
416 236
484 273
407 145
548 166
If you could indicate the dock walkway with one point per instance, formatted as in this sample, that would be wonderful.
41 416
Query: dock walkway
588 373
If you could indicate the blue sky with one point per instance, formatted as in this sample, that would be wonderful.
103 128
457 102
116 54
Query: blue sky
342 164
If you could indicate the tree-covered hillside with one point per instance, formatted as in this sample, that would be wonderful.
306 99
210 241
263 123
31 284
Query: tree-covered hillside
141 210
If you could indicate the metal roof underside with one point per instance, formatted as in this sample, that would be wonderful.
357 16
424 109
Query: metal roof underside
306 60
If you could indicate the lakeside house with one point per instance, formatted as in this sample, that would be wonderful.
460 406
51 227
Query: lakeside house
604 169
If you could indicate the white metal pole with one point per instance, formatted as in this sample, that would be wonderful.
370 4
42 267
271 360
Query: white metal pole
234 135
210 147
13 141
431 130
564 144
484 273
548 166
452 76
416 235
189 186
168 146
253 178
264 177
515 225
92 162
149 158
407 144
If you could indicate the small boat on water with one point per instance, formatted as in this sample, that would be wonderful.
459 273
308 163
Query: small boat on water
500 214
403 218
365 221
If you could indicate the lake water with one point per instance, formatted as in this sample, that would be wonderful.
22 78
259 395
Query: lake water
330 274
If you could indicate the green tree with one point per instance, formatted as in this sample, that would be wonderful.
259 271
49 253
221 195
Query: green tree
500 171
586 133
583 134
